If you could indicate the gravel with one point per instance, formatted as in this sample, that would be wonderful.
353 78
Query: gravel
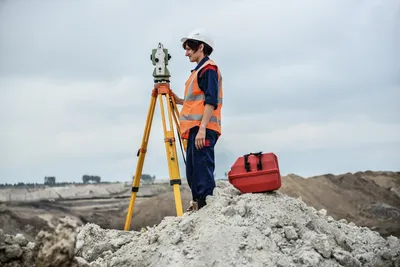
269 229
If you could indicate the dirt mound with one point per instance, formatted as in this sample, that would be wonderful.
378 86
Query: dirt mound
270 229
370 199
152 210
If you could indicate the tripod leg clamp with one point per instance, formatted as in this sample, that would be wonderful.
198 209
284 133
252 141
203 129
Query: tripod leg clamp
135 189
175 181
143 150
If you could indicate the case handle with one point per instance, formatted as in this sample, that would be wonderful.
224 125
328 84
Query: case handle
247 164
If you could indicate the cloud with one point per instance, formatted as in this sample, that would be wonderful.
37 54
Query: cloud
315 82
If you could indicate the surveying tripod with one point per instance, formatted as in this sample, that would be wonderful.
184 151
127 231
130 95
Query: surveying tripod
161 74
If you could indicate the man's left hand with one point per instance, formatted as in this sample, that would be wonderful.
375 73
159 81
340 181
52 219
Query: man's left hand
200 138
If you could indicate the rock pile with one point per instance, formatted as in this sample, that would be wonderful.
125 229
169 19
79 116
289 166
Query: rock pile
15 250
242 230
49 249
263 230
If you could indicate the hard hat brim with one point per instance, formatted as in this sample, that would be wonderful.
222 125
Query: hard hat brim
194 39
184 39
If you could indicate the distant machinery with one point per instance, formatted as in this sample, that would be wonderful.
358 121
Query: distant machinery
49 180
147 179
94 178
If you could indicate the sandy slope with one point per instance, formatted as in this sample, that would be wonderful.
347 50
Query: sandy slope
365 198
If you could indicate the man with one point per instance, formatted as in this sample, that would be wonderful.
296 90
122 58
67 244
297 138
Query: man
200 117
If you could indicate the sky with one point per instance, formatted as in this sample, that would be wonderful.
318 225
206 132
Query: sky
315 82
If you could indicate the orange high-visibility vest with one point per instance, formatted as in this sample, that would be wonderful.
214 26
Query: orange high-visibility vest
193 106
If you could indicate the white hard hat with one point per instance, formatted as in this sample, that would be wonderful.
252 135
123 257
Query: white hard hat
200 34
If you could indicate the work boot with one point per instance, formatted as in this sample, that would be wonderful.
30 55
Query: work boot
201 202
193 206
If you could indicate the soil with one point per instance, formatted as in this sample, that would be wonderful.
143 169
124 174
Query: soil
263 229
368 199
268 229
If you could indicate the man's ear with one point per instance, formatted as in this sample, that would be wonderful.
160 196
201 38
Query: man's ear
201 47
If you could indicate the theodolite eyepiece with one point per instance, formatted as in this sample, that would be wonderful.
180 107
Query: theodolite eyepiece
160 58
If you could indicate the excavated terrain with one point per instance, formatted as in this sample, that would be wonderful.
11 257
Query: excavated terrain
34 209
268 229
370 199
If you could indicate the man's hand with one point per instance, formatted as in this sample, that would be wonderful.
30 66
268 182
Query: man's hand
200 138
201 135
178 100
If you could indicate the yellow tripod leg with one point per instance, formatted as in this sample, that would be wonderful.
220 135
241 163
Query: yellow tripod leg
141 154
170 148
176 118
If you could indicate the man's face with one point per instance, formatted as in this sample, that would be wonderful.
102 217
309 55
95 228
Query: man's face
193 56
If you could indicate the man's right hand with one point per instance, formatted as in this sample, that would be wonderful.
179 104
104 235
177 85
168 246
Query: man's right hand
178 101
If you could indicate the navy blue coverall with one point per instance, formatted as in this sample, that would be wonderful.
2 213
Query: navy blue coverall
200 163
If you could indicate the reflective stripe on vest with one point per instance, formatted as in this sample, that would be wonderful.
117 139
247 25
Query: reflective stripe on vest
198 117
191 97
193 106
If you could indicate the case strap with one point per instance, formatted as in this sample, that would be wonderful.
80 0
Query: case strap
247 163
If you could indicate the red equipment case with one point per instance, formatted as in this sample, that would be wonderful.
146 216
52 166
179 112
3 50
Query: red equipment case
255 173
